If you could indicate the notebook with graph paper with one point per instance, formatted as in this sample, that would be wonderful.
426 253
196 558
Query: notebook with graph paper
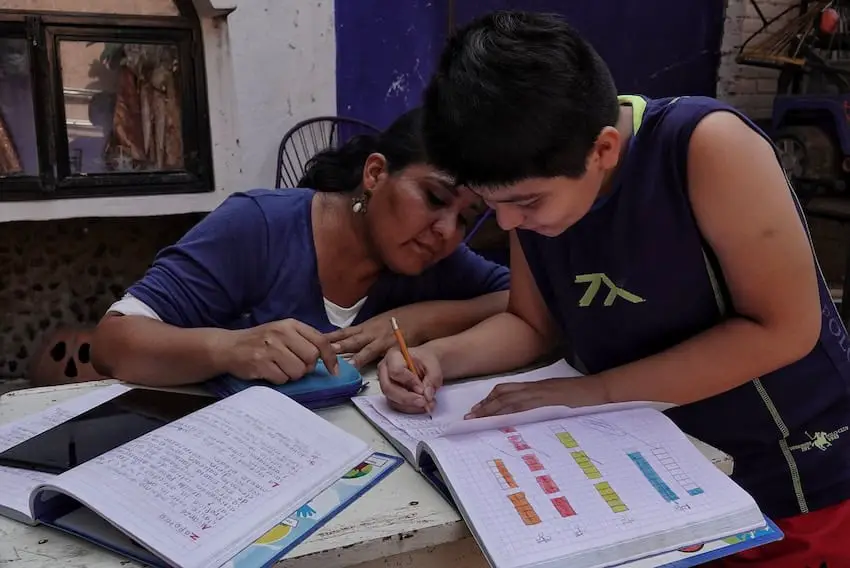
585 488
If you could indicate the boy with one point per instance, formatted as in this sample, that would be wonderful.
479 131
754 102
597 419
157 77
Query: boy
660 238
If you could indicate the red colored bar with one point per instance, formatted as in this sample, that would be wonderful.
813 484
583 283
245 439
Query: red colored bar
547 484
563 506
532 462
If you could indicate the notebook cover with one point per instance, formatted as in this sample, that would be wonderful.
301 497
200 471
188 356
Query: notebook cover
318 389
279 540
293 530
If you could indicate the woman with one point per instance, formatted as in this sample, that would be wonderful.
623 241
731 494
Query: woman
273 280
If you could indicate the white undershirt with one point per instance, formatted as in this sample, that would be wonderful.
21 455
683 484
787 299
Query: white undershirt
338 316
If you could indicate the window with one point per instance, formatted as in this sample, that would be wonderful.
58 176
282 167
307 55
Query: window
93 103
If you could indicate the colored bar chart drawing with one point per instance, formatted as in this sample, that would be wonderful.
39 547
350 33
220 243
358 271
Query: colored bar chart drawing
564 437
524 508
567 439
504 477
533 462
563 507
547 484
586 465
677 472
652 476
518 443
611 497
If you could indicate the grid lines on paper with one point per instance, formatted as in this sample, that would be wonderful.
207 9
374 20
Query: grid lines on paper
571 509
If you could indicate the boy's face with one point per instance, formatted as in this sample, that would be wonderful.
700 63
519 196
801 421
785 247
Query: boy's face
550 206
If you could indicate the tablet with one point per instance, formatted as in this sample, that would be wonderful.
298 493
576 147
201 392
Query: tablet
103 428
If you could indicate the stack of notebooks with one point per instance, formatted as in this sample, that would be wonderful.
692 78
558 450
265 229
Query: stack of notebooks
236 484
589 487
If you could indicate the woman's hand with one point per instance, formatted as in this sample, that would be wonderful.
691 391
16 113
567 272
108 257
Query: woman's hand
507 398
368 341
405 392
278 352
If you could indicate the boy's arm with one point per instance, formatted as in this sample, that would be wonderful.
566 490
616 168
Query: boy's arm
744 209
505 341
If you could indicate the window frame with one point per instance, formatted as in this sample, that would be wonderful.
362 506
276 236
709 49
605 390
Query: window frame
44 32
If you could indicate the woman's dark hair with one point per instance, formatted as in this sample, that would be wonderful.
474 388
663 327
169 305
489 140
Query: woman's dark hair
341 169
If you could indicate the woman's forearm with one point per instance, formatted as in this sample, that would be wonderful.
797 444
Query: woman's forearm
715 361
145 351
433 320
503 342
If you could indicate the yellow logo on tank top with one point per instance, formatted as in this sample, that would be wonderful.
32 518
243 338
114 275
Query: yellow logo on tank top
594 283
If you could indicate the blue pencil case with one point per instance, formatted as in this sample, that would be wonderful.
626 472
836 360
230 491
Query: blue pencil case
318 389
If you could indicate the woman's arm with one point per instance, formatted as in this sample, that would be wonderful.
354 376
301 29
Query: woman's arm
142 350
193 287
433 320
744 209
505 341
450 297
421 322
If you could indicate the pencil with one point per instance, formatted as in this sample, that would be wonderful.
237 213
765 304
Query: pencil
402 345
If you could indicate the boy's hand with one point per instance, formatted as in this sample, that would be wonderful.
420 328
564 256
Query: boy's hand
507 398
404 391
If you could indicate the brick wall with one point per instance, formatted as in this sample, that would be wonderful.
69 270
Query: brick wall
749 88
752 90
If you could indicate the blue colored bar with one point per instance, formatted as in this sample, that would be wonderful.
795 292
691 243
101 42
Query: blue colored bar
654 479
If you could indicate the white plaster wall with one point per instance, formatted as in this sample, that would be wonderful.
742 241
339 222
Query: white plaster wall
269 63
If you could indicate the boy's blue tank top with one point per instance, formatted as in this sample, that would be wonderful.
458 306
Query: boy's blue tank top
635 277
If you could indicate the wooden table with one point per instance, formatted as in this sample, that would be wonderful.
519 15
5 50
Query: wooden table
401 522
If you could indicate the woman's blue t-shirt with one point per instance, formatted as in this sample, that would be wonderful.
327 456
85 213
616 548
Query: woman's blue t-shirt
253 261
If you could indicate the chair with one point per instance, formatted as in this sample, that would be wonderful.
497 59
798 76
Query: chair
308 138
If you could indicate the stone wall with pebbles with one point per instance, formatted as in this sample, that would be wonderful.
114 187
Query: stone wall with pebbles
56 273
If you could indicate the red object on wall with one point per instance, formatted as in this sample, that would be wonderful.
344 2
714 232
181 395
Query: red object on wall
830 21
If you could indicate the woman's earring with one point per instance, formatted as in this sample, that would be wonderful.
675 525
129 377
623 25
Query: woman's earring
359 203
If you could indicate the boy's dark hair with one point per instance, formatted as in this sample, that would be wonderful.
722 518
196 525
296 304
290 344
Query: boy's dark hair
516 95
341 169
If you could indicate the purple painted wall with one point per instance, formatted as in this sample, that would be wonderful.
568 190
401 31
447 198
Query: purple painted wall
386 49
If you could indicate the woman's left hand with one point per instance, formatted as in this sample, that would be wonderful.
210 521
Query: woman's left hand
368 341
507 398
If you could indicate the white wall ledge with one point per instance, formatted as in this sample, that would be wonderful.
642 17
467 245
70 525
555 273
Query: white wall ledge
269 64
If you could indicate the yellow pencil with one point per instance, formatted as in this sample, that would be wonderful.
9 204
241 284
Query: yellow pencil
402 345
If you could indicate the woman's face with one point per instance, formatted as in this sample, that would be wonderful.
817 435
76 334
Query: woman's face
416 216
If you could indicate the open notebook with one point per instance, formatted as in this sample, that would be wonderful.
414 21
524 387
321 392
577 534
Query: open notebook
193 493
584 487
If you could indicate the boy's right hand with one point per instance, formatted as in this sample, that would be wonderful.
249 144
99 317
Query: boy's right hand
279 352
404 391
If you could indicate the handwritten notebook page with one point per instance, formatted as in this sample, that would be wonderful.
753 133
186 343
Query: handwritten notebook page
199 490
589 491
16 484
